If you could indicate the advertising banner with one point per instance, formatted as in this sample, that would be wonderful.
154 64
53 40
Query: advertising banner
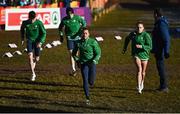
2 16
82 11
49 16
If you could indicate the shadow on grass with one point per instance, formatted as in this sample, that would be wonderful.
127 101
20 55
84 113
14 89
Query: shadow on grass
20 70
21 97
11 109
65 104
136 6
164 3
95 88
83 105
38 83
41 90
148 4
44 88
53 84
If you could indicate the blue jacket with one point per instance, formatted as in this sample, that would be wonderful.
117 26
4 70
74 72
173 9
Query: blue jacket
161 37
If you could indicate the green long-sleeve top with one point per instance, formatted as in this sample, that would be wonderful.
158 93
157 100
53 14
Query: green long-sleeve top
73 26
87 50
143 39
34 32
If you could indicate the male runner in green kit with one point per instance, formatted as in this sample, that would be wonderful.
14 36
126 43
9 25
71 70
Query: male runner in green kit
35 34
89 53
73 25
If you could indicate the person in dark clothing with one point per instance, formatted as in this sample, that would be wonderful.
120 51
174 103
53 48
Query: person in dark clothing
71 26
87 53
83 3
161 46
67 3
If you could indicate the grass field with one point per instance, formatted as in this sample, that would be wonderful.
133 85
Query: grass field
115 87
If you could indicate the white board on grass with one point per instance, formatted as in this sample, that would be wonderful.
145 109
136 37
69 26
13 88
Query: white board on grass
56 43
13 45
48 46
118 37
25 50
17 52
8 54
99 38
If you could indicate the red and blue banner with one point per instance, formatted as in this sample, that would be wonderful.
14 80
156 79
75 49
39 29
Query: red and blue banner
12 18
82 11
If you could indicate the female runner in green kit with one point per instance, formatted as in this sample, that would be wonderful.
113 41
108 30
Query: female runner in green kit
141 45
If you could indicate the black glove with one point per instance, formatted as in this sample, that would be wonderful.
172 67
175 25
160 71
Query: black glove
61 39
78 64
166 55
152 51
124 50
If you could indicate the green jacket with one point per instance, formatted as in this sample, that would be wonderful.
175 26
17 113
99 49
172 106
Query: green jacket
73 26
87 51
34 31
143 39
